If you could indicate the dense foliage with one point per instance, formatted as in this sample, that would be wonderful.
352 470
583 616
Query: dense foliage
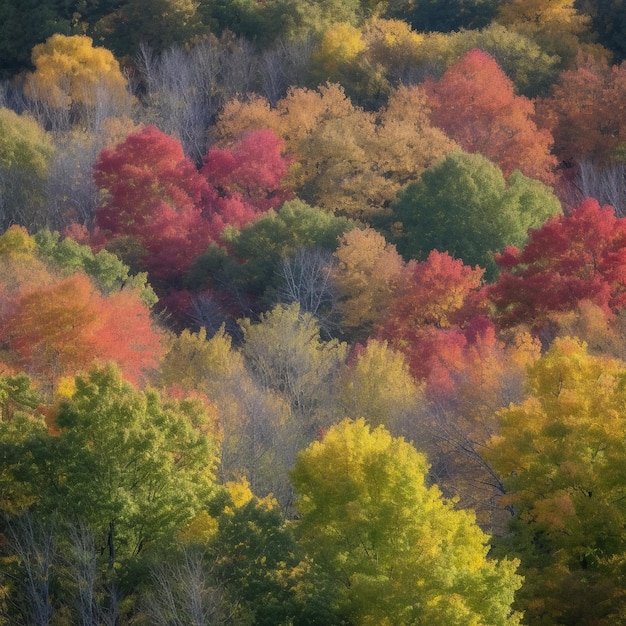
312 312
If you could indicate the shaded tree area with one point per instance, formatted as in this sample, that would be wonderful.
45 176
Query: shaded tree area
607 19
441 16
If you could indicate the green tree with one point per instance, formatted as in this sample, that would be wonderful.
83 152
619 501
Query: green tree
107 271
398 552
561 455
25 24
257 250
25 155
608 19
464 206
18 401
129 465
257 560
159 24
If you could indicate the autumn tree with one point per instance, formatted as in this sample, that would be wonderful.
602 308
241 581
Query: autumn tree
245 179
475 103
485 371
570 259
363 159
394 47
465 206
342 57
348 160
58 329
603 334
338 49
367 275
159 213
73 81
150 212
395 550
63 307
560 454
106 270
424 317
377 385
583 112
408 143
558 26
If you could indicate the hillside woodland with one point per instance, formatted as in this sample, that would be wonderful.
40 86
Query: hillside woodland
312 313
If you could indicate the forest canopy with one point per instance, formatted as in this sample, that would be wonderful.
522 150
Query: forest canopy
312 312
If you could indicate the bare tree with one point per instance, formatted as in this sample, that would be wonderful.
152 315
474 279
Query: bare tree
71 191
99 104
206 312
306 278
184 595
82 571
240 70
604 182
95 601
185 89
176 96
284 65
35 547
57 119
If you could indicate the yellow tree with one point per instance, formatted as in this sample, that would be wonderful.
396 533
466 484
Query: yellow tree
377 385
342 57
396 551
393 45
348 160
561 455
367 273
74 81
407 142
556 25
339 47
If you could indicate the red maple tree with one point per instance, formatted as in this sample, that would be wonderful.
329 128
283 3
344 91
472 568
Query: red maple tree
152 195
570 259
245 179
475 103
